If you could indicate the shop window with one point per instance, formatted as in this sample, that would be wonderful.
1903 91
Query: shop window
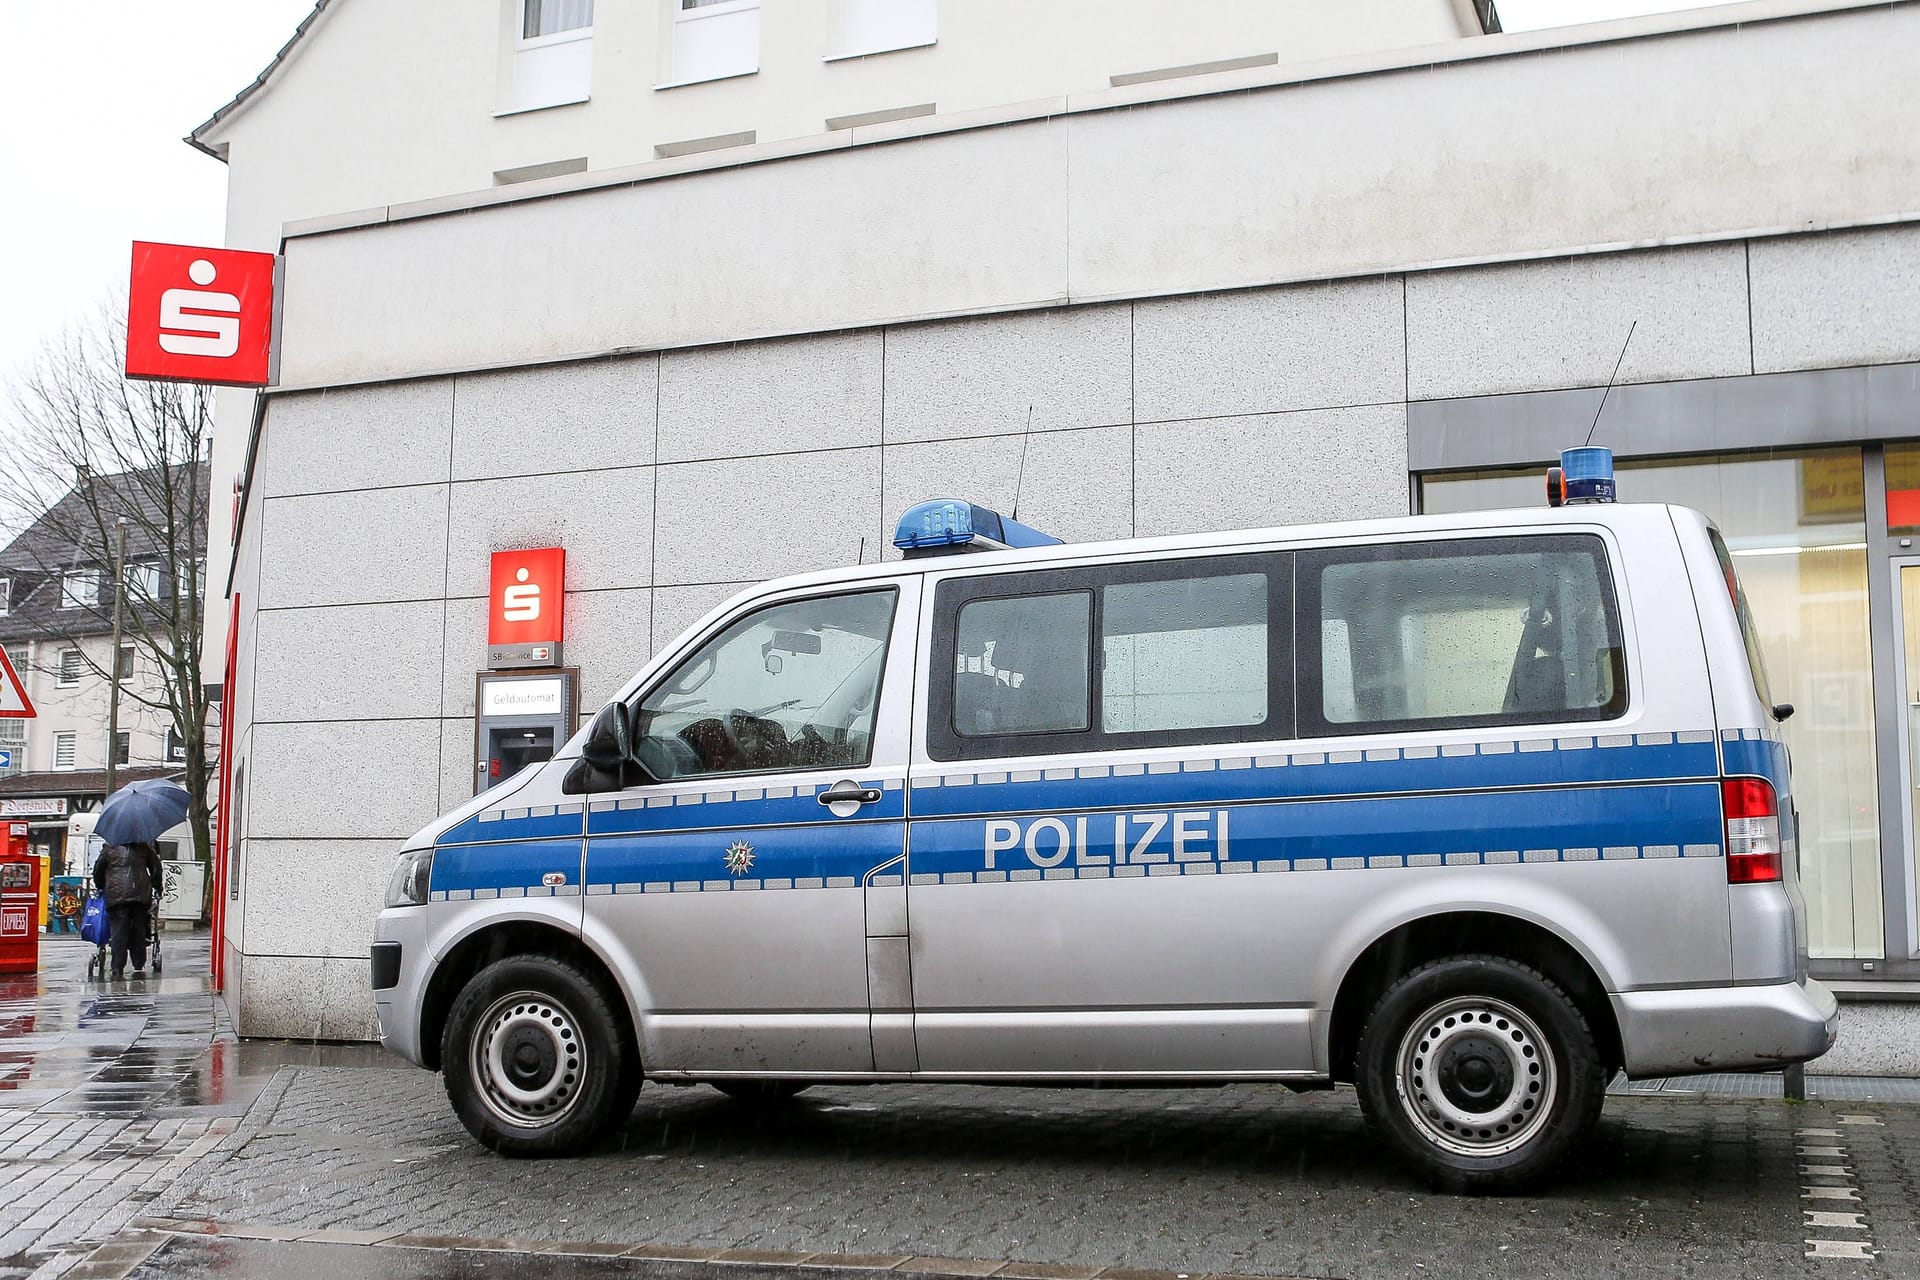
1795 530
65 747
551 63
713 39
865 27
73 665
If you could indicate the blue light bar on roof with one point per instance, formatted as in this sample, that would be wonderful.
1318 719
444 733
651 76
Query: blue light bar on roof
950 524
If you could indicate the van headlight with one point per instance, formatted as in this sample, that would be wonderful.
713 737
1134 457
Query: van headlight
411 874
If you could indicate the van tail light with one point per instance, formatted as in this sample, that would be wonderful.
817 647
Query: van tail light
1753 830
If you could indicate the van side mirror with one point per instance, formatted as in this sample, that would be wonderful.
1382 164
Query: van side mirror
606 756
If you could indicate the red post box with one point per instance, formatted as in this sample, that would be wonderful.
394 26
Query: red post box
19 904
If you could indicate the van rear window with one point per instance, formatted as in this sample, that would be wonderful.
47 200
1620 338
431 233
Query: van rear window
1749 634
1458 634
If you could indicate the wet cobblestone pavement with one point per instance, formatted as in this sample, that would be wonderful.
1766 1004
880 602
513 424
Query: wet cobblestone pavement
137 1137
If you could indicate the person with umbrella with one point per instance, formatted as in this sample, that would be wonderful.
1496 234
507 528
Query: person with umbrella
128 873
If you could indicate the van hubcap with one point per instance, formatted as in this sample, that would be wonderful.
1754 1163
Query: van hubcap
528 1062
1476 1077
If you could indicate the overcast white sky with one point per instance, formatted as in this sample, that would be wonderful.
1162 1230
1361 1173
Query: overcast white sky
96 95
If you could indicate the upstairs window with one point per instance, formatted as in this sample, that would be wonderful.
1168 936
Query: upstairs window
73 665
79 588
714 39
6 596
65 749
542 18
548 58
865 27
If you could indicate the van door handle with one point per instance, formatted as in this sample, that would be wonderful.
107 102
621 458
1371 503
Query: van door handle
849 793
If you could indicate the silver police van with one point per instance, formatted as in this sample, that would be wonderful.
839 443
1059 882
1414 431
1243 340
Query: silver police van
1471 812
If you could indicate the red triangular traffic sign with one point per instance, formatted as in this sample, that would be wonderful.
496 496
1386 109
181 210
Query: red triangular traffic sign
14 702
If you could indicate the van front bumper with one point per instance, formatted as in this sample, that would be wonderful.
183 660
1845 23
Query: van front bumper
1701 1029
402 929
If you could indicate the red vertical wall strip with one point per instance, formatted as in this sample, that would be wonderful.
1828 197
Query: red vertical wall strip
224 810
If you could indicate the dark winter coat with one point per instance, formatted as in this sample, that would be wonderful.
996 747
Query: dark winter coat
128 875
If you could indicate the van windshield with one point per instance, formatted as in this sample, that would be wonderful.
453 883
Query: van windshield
1749 635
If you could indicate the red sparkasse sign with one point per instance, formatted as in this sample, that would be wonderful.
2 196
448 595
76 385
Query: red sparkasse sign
200 315
526 602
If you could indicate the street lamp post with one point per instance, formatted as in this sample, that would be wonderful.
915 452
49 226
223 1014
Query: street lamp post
113 685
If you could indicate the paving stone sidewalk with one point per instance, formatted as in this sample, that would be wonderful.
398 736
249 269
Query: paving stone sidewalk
1249 1180
129 1117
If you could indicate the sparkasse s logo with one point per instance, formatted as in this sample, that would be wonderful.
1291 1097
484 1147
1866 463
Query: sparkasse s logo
200 315
527 597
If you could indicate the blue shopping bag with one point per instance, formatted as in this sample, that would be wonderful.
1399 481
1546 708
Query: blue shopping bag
93 921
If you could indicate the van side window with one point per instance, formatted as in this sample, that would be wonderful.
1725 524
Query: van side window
1459 634
791 686
1021 665
1155 653
1188 653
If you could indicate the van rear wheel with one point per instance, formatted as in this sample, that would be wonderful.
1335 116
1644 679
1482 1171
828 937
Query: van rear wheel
536 1060
1480 1072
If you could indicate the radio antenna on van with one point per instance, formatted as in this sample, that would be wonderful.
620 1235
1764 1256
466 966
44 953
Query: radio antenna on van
1020 474
1610 377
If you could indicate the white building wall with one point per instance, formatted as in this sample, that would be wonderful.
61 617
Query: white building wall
1338 177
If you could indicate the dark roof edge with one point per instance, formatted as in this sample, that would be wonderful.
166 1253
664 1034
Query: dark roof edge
259 82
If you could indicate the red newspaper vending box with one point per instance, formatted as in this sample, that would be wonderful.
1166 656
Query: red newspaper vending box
19 904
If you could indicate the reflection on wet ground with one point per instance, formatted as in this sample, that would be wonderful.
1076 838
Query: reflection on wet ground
310 1260
145 1046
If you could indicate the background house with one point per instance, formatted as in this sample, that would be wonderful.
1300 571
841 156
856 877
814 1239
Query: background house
56 620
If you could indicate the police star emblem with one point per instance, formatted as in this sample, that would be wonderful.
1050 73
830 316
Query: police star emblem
739 857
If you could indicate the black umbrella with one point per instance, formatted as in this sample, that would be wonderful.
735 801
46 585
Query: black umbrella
138 812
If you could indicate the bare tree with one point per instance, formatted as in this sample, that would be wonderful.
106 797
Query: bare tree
87 448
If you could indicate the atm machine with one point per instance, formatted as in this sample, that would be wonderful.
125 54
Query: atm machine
520 719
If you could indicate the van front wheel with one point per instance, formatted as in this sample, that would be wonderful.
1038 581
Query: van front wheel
1481 1073
535 1060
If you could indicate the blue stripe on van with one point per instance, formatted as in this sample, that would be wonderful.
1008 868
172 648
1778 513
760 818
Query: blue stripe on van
1308 775
1631 822
1759 758
514 869
747 806
790 857
541 821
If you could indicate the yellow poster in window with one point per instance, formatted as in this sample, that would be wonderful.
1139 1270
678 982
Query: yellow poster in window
1832 488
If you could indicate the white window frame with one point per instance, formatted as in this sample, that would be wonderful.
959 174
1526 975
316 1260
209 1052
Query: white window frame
683 14
522 41
69 741
6 596
132 663
850 51
60 680
67 598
